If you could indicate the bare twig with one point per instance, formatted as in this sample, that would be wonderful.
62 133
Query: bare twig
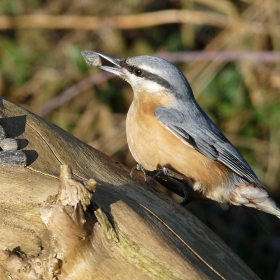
72 91
136 21
265 56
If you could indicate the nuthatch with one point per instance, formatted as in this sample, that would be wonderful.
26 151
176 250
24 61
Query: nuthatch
166 128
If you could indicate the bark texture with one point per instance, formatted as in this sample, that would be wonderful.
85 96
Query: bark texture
94 222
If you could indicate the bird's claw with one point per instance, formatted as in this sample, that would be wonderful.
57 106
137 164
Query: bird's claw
166 174
138 167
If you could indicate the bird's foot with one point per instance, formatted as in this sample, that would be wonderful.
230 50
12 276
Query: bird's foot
153 174
165 174
139 167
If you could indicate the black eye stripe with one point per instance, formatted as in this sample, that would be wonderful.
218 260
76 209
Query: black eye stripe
128 67
145 74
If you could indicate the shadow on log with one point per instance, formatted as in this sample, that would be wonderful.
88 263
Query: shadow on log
94 222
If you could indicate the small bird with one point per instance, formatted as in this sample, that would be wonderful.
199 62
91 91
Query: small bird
167 130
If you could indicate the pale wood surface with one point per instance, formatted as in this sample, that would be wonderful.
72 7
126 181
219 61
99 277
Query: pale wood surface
131 231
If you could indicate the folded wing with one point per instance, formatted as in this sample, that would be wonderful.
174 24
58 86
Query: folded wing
198 131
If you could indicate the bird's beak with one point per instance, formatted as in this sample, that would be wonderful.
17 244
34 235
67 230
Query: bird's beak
93 59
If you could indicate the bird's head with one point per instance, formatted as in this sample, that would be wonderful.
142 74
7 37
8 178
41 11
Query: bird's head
145 73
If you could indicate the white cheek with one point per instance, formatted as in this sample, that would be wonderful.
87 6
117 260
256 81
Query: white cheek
141 84
150 86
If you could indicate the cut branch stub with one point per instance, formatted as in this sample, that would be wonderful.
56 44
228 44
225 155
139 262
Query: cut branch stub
69 227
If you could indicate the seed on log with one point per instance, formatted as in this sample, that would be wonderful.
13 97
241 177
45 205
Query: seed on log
2 132
9 144
13 158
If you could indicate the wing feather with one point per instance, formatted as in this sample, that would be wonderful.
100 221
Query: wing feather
198 131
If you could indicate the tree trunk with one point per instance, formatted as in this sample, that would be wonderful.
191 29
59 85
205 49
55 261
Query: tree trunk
58 224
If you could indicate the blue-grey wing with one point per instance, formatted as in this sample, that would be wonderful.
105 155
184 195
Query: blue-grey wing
196 129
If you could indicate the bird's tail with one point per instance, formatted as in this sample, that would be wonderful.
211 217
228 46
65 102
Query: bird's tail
256 197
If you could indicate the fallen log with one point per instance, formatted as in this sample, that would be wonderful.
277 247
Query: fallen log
90 220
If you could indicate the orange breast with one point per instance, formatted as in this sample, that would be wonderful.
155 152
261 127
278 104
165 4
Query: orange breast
153 146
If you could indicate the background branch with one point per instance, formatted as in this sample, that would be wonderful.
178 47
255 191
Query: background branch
143 20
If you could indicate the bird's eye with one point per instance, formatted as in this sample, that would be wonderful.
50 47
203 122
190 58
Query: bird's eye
137 72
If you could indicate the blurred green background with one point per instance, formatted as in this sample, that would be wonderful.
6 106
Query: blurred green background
41 69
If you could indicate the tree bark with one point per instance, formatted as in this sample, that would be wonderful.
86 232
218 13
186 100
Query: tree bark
57 224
